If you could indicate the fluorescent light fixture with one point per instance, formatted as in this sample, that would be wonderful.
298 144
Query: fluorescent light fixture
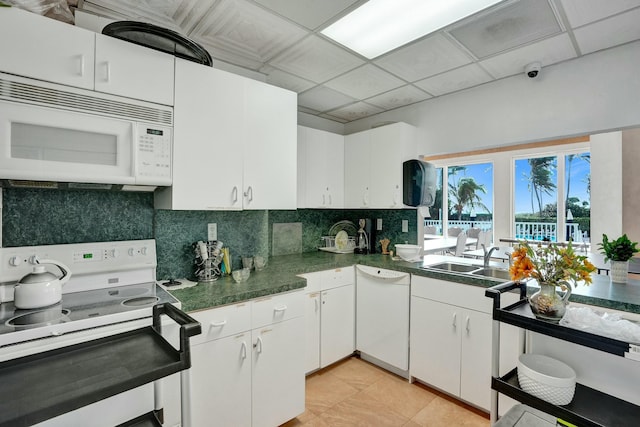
379 26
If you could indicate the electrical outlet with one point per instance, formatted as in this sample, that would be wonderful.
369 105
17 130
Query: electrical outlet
212 231
405 226
379 224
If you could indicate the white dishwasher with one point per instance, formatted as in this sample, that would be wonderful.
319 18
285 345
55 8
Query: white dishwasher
382 317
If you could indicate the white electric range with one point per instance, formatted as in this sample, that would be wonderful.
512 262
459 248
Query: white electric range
112 289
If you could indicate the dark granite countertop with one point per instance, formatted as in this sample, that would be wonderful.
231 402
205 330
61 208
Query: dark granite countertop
281 275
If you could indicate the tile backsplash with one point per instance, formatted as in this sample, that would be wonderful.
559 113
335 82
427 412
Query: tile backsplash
47 217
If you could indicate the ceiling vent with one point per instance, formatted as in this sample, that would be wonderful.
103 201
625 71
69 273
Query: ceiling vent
507 27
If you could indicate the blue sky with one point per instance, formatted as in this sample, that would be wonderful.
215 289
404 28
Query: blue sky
483 174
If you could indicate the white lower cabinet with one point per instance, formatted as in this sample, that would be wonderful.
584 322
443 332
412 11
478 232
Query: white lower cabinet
451 339
247 366
329 317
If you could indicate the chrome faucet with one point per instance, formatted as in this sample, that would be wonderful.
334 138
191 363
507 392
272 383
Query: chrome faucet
487 254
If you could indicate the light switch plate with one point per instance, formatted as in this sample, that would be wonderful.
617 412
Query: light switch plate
379 224
212 231
405 226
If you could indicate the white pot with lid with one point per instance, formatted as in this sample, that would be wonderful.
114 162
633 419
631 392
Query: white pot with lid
41 288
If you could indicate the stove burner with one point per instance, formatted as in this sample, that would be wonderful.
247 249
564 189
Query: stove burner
34 319
140 301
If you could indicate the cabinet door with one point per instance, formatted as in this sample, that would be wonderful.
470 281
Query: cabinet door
207 140
221 382
46 49
357 159
278 372
390 146
312 332
126 69
475 370
435 344
270 146
316 168
334 149
337 324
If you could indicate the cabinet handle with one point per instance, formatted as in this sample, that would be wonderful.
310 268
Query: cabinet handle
316 303
258 345
324 201
365 198
243 350
455 320
234 194
467 324
107 71
281 308
249 193
81 66
330 201
218 324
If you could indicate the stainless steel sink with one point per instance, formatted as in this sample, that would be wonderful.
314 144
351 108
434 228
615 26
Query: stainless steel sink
453 267
494 273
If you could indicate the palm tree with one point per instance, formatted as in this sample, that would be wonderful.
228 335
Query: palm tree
464 194
570 158
540 178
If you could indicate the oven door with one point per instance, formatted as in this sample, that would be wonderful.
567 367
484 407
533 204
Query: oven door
46 144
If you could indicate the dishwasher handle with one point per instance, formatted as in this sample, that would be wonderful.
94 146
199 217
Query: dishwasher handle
395 278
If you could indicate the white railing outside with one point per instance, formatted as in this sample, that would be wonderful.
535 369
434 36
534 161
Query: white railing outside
524 230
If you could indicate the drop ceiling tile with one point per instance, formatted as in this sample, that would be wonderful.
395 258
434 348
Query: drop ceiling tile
547 52
400 97
364 82
245 34
335 119
506 27
310 13
454 80
288 81
425 58
308 110
581 12
322 98
316 59
355 111
160 13
610 32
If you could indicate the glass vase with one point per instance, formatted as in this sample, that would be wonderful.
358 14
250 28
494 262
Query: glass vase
547 304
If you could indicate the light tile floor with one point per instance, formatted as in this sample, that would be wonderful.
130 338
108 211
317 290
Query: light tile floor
356 393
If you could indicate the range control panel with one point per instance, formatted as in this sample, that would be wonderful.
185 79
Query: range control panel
80 258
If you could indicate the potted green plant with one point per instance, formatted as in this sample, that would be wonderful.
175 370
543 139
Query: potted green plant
619 252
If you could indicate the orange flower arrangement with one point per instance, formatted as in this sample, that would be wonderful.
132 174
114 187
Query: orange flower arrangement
550 264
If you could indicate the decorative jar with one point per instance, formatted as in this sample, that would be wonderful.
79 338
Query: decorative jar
547 304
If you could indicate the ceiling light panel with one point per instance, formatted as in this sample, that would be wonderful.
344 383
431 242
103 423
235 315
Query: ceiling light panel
507 27
379 26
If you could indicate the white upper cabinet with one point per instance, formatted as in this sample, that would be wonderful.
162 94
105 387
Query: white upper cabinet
126 69
357 170
320 169
207 140
50 50
234 143
45 49
373 165
270 146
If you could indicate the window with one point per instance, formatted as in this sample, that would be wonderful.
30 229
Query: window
551 197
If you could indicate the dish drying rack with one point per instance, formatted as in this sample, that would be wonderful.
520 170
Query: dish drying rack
329 241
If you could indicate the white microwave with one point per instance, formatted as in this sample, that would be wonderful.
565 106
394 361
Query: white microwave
56 133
